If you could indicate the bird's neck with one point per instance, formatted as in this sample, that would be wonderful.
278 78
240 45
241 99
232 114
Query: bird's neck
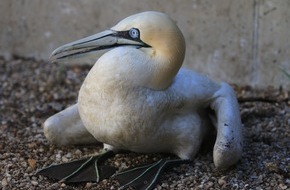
166 60
123 68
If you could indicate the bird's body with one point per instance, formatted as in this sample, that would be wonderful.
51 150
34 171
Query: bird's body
144 120
137 98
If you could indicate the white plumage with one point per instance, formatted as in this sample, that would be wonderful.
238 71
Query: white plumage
137 98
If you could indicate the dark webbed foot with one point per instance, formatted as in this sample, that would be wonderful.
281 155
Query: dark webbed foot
93 169
90 169
145 177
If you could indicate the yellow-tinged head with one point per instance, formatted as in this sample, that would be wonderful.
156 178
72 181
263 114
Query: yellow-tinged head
154 33
166 40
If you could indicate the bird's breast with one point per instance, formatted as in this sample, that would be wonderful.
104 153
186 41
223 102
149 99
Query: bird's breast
119 115
136 118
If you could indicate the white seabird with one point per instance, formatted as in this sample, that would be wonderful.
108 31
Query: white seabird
136 97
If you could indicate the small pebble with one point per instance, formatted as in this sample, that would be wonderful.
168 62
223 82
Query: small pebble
32 163
4 182
58 157
221 181
283 186
68 155
78 152
165 185
88 185
34 183
64 159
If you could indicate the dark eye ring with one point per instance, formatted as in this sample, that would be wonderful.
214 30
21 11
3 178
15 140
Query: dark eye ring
134 33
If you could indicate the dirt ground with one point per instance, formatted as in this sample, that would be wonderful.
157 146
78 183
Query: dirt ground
31 91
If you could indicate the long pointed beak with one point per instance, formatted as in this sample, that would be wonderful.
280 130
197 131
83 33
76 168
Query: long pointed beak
93 47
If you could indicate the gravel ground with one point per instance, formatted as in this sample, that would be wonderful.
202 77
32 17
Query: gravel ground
32 91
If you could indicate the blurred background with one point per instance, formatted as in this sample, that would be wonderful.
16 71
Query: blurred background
244 42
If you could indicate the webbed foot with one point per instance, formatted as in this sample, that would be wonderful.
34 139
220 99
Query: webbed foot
145 177
89 169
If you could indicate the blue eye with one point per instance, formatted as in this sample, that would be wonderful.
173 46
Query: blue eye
134 33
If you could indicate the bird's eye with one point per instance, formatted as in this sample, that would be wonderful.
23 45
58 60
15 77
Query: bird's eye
134 33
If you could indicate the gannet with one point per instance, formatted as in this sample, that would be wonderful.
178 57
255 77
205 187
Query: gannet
137 97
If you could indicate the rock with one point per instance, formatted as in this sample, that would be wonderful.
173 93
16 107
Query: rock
64 159
78 152
221 181
4 182
32 163
68 155
282 186
34 183
88 185
272 167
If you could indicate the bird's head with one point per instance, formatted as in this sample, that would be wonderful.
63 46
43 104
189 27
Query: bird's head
154 33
